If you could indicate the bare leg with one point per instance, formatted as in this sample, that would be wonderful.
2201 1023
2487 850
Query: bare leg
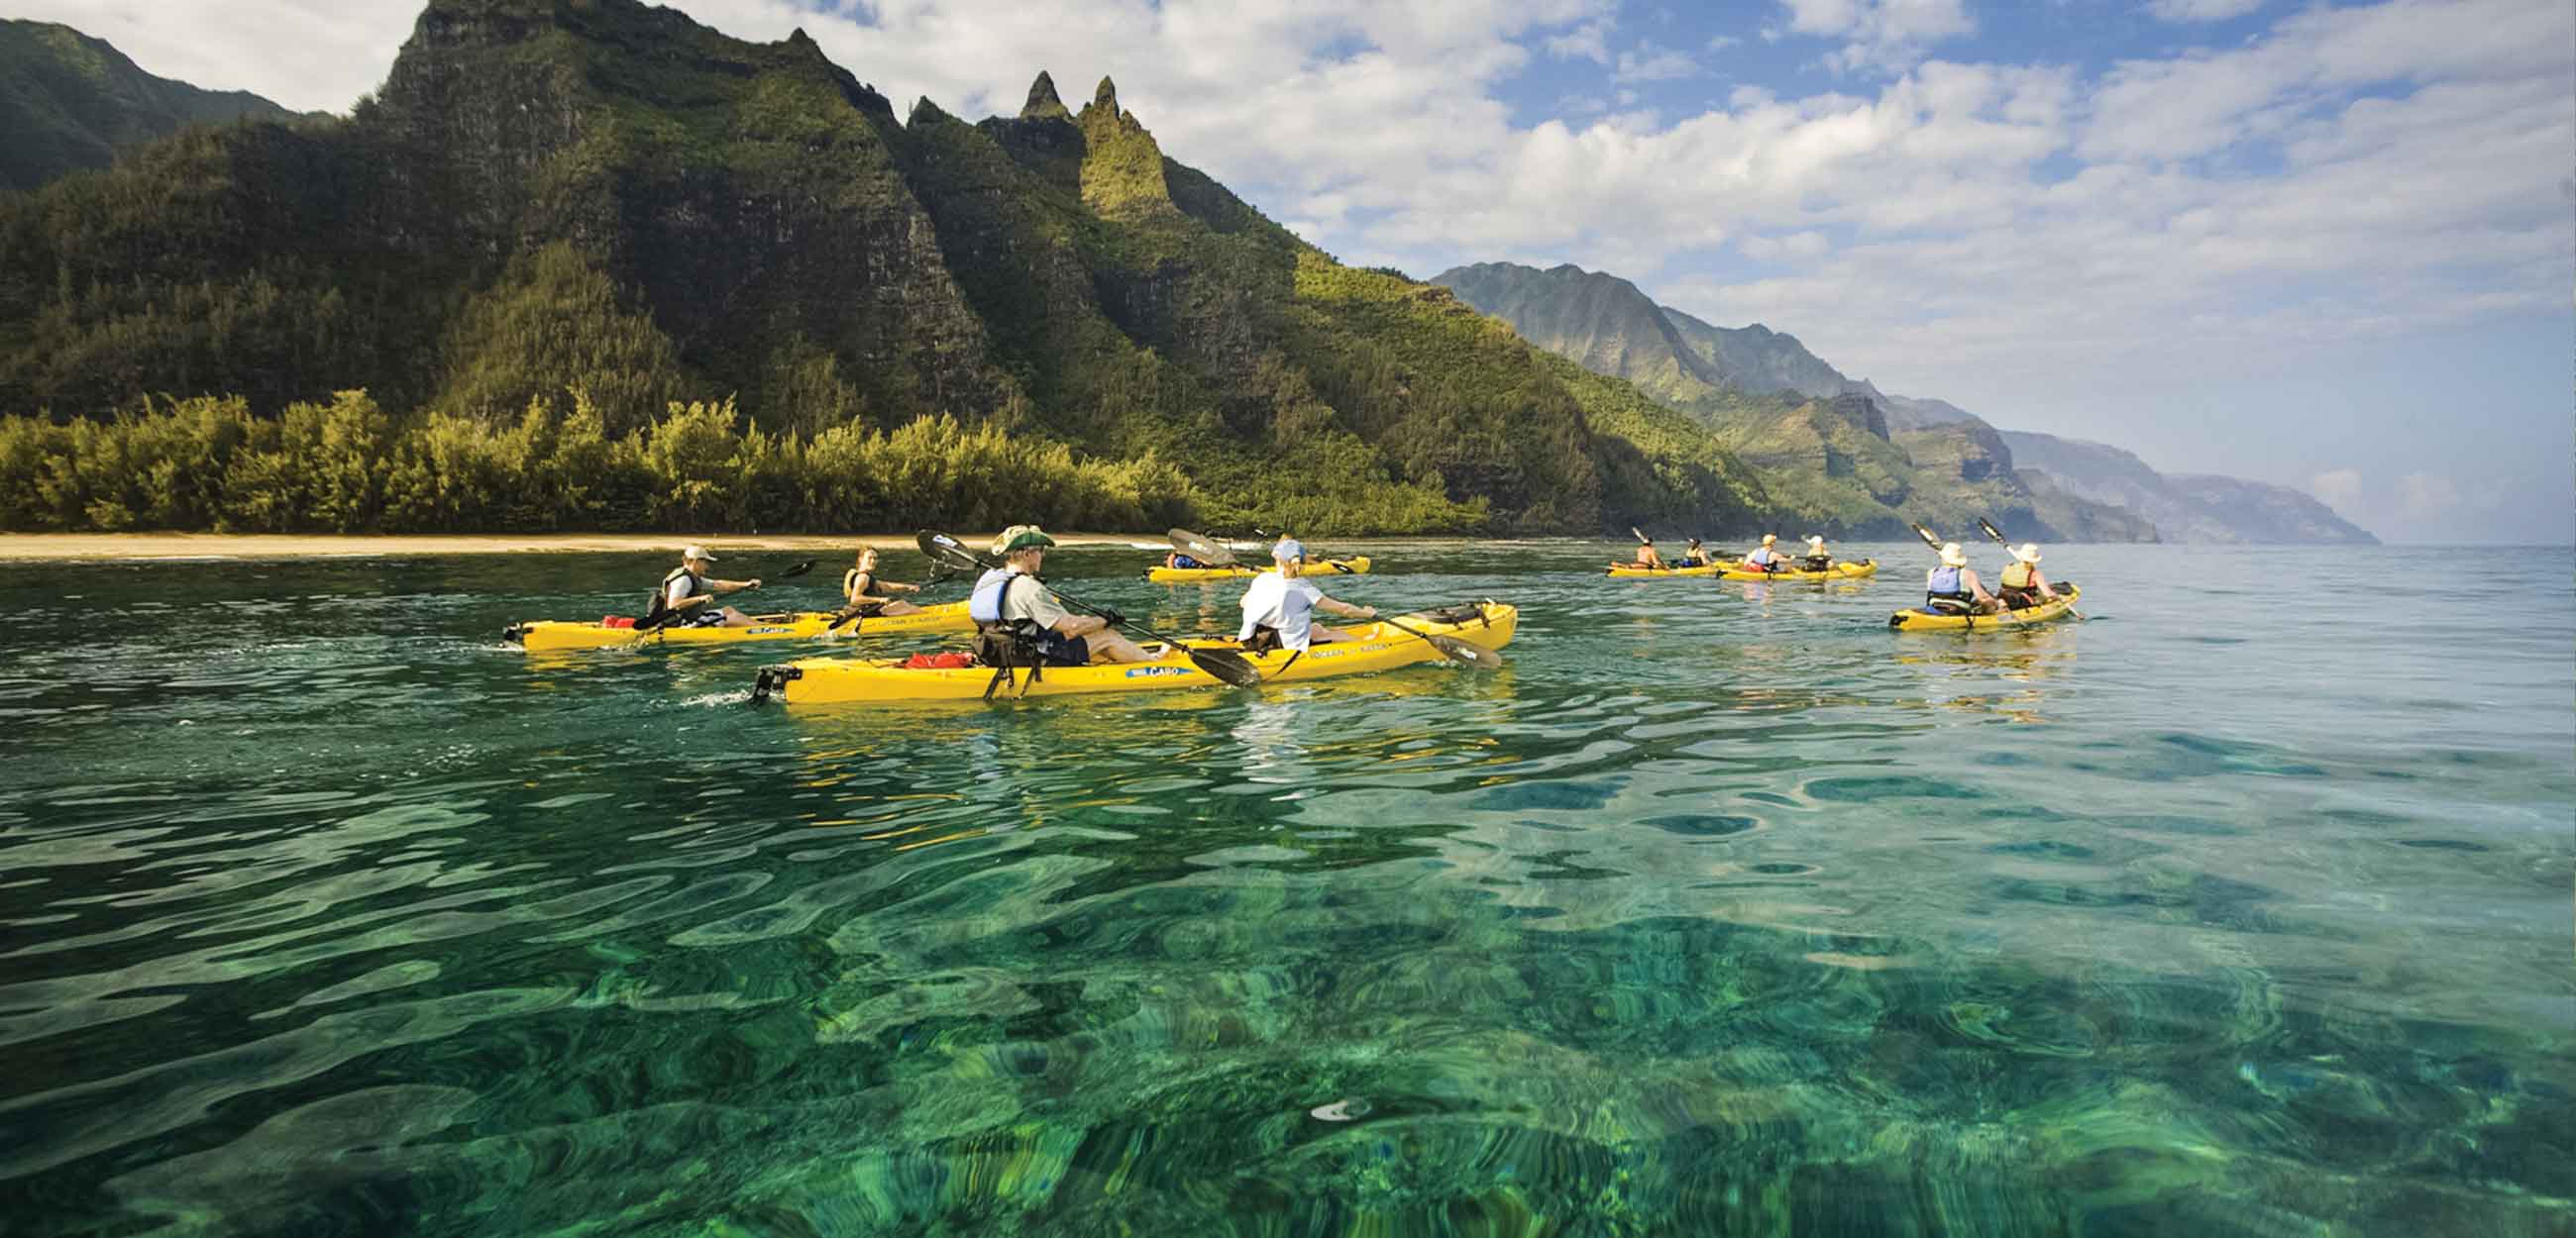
1108 646
1317 634
737 619
898 608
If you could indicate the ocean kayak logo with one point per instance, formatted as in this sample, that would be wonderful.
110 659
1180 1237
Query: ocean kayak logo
1148 672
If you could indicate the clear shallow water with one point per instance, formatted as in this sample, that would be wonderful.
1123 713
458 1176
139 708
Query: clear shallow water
2242 909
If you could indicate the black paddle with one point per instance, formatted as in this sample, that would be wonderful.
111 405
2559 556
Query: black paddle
1223 664
662 616
2006 543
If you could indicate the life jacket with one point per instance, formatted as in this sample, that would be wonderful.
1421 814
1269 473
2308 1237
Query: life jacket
851 578
1943 591
2017 576
1763 557
984 605
661 599
1184 561
1817 563
999 644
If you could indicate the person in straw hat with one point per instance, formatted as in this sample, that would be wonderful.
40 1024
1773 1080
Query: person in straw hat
2023 585
1767 556
691 593
1010 606
1817 558
1953 588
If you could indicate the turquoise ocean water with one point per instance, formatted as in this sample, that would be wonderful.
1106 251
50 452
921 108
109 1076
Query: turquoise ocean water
2242 909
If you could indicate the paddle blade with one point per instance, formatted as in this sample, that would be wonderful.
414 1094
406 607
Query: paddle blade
798 570
948 552
1929 537
1993 532
1642 539
1200 548
1225 664
1467 652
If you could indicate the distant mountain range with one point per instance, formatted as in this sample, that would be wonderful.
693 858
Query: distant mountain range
69 102
1878 458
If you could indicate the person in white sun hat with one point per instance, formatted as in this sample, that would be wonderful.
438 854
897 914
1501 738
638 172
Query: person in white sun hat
2023 585
692 593
1953 588
1818 558
1279 609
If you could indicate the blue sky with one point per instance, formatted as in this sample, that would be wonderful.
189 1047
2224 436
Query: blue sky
2327 245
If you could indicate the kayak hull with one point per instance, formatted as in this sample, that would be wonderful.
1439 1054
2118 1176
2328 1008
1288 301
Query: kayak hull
1918 620
549 635
1356 565
1862 570
1379 647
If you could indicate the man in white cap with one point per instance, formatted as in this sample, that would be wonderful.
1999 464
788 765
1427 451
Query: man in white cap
1279 608
1011 602
1767 557
1953 588
1818 558
690 593
2023 584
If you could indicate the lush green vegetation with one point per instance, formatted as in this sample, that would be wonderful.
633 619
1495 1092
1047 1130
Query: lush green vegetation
611 199
346 465
69 102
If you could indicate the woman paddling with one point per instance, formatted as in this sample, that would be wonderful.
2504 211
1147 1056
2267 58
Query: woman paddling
2024 585
1647 556
1953 588
861 590
1767 557
1818 558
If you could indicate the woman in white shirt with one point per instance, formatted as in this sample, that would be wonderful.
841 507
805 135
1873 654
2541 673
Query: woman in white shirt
1279 608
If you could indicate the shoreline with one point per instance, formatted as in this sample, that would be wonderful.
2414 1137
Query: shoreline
143 547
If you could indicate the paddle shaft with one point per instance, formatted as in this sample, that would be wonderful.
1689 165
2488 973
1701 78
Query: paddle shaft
2006 543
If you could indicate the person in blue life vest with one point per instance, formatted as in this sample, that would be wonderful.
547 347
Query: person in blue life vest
2023 585
1767 556
1179 560
1694 555
1017 619
1953 587
691 592
1279 608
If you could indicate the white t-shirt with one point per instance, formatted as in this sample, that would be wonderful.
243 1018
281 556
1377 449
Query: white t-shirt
1031 602
679 590
1275 601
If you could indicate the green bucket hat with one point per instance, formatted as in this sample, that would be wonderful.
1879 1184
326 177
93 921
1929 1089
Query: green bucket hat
1020 537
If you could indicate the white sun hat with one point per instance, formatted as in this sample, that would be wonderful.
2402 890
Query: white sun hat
2028 552
1952 556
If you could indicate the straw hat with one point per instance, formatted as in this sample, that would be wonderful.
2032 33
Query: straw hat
2027 553
1952 556
1770 538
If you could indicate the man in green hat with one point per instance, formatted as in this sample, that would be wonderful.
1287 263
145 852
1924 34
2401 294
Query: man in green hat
1011 601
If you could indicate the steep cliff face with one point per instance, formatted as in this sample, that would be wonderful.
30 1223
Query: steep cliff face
604 195
69 102
1599 321
2204 509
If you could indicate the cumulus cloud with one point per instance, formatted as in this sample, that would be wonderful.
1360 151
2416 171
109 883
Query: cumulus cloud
2339 489
1885 35
1589 41
1648 63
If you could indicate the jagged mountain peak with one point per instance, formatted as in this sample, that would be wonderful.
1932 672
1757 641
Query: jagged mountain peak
1106 95
1043 103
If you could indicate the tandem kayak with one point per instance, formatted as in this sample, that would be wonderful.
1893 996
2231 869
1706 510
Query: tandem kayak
1354 566
548 635
1378 647
1736 571
1919 620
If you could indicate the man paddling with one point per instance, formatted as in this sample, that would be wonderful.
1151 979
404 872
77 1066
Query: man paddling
1011 607
1279 608
2023 585
1767 556
1953 587
690 593
1647 556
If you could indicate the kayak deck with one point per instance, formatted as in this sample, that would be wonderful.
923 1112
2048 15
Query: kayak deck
1920 620
1356 565
551 635
1377 647
1735 571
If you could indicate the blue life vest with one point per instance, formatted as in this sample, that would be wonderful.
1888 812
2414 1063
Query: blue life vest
1942 590
1181 560
1763 557
984 605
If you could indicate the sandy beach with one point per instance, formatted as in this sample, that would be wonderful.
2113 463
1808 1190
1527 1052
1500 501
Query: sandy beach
66 547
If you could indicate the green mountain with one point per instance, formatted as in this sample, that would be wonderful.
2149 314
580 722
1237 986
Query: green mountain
1836 454
69 102
2187 508
603 198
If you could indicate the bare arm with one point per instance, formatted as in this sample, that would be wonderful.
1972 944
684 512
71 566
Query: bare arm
1345 608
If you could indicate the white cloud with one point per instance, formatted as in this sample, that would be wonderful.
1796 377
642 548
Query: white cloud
1648 63
1722 42
2201 10
1880 35
1785 246
2339 489
2426 496
1589 41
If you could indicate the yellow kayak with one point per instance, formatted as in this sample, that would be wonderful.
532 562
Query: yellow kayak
1378 647
1737 571
547 635
1354 566
1925 621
